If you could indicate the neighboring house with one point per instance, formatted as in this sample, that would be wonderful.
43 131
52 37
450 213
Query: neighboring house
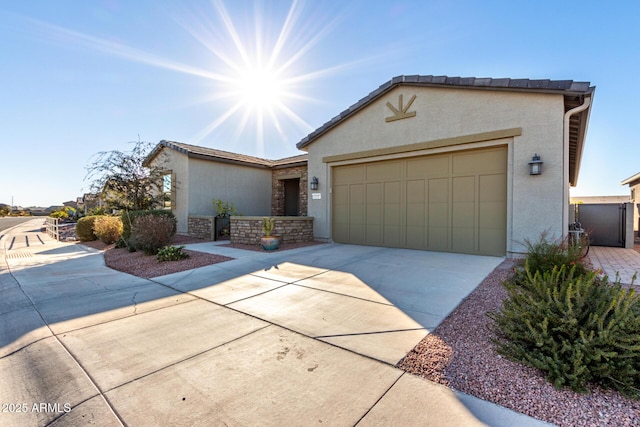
257 187
634 186
442 163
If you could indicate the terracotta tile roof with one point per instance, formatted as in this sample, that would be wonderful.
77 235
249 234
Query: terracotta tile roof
223 156
566 87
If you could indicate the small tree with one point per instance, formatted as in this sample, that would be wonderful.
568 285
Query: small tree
125 180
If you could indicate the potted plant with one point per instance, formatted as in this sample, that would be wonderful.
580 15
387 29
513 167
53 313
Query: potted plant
269 242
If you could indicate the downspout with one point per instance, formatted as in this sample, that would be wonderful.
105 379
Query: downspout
565 188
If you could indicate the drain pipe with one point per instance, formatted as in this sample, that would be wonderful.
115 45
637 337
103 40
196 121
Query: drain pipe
567 116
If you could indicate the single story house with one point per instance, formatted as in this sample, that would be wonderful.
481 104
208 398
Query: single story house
469 165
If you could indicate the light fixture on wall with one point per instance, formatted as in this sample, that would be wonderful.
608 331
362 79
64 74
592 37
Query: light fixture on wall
535 165
314 183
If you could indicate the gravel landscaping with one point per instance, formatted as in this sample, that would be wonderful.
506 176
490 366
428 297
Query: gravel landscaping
459 354
147 266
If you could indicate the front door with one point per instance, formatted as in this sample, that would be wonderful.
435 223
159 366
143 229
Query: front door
291 194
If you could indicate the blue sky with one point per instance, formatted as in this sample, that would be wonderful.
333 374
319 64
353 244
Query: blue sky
81 77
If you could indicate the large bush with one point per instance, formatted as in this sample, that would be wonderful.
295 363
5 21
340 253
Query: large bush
128 217
149 233
61 214
576 328
84 228
545 254
108 229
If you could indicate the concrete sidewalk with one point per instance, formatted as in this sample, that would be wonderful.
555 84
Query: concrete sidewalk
300 337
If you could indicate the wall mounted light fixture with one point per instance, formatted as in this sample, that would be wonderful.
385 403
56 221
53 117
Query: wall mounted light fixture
535 165
313 184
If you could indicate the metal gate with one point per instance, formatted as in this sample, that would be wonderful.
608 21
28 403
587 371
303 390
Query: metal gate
605 223
222 225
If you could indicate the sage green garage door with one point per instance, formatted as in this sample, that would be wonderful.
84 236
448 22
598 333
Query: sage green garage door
453 202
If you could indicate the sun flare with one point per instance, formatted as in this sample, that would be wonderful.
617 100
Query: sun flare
258 68
260 88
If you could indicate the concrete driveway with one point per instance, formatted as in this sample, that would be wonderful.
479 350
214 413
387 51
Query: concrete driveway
299 337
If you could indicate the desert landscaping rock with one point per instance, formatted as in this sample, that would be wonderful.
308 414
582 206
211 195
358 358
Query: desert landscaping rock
459 354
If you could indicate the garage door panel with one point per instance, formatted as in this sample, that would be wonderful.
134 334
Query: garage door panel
464 189
480 162
348 174
415 215
446 202
357 234
432 166
463 239
438 190
438 239
416 237
384 171
356 194
393 236
492 215
374 234
416 191
493 188
438 215
392 192
463 214
492 241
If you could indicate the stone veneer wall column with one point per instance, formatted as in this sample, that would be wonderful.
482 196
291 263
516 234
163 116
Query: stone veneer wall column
247 230
277 189
201 226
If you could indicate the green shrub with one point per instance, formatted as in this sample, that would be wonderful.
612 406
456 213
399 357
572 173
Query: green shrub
225 208
61 214
128 217
172 253
577 329
546 254
84 228
107 229
149 233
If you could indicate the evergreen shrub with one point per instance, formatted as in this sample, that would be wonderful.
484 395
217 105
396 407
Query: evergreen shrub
108 229
84 228
172 253
575 327
545 254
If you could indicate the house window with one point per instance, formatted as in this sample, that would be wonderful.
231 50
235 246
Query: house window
633 194
167 185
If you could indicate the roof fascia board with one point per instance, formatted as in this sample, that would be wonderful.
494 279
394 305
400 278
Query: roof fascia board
631 180
230 161
438 143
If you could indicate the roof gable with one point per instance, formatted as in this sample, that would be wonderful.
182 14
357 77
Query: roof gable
569 88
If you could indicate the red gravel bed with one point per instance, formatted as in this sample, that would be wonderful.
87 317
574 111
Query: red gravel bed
459 354
147 266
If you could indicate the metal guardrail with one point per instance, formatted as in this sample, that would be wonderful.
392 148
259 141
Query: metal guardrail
52 227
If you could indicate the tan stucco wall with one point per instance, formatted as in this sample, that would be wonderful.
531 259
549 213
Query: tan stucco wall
177 163
199 181
535 203
248 188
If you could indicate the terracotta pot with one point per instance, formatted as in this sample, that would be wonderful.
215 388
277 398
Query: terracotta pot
269 243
